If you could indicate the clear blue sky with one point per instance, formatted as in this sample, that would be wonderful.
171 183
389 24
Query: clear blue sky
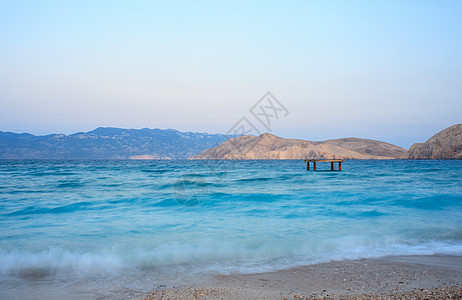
388 70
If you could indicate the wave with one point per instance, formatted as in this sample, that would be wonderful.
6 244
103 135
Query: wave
69 184
222 258
434 202
255 179
69 208
56 260
157 171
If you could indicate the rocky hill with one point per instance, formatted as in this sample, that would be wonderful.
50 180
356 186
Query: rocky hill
108 143
269 146
446 144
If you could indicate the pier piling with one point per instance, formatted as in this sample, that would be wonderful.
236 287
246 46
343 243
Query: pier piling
332 161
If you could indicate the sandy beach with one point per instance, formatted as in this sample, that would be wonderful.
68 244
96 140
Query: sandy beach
401 277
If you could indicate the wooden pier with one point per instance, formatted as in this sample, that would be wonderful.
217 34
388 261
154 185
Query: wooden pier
332 161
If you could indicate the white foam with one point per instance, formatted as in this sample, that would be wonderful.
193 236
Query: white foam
58 260
210 256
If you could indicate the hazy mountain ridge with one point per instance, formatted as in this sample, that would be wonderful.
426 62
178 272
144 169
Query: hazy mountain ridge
108 143
118 143
446 144
269 146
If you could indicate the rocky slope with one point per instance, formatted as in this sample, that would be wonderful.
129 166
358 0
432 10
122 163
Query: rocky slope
269 146
446 144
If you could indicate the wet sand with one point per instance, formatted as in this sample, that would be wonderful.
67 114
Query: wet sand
401 277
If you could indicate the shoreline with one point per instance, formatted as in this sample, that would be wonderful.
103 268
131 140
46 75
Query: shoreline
392 277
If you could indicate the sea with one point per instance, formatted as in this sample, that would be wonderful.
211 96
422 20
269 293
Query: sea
113 229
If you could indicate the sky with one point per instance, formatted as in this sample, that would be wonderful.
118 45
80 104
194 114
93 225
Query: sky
386 70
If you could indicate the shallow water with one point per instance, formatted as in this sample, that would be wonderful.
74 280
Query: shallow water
114 228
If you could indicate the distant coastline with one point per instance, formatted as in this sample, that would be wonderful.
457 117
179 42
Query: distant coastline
159 144
108 143
446 144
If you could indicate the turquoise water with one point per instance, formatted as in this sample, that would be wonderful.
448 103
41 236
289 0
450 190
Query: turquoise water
102 228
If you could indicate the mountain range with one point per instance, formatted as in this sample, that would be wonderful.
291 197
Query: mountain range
269 146
446 144
119 143
108 143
